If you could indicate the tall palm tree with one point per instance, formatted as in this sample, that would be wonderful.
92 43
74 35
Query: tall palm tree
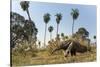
58 19
74 14
50 29
46 18
25 6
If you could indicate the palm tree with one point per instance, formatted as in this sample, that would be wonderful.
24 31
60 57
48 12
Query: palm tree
66 37
58 19
74 14
94 38
50 29
62 35
25 6
46 20
39 43
58 38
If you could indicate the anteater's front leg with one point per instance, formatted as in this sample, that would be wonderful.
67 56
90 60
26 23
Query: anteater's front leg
66 52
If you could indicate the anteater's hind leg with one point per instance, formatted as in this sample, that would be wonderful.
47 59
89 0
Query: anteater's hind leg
73 55
73 52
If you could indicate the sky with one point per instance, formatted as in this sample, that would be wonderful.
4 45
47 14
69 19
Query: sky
87 17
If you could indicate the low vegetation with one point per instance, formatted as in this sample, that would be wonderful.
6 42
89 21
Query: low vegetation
44 57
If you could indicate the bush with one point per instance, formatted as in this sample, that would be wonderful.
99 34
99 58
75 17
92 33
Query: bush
24 49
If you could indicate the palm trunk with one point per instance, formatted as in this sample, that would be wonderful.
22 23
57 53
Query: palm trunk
50 35
57 33
73 27
45 35
57 28
28 15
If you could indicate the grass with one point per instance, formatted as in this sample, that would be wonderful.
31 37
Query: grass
43 57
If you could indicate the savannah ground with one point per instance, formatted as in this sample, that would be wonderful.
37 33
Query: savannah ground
43 57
